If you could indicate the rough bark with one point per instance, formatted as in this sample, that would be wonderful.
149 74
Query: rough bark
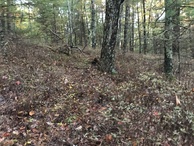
176 26
93 24
110 35
119 31
144 29
139 30
132 28
168 53
126 27
2 30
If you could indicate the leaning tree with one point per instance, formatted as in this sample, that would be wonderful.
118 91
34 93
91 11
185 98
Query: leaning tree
110 34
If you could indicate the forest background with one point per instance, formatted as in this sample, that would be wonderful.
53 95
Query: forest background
51 52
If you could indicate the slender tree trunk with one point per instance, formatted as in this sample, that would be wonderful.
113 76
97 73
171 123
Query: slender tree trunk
87 29
119 32
168 54
54 26
110 35
191 38
132 29
144 29
2 33
139 30
93 24
149 18
83 26
126 27
8 16
176 31
70 25
176 27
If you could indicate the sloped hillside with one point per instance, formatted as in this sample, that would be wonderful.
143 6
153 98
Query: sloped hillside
50 99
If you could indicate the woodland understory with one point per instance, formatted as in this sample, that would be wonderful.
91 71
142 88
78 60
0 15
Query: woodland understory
52 99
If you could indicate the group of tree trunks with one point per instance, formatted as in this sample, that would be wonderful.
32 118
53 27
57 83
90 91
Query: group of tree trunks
112 14
172 30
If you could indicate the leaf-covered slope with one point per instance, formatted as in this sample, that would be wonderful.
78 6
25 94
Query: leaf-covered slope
53 99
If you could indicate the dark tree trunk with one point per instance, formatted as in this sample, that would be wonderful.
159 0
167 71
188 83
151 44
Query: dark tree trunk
144 29
110 35
168 53
2 29
83 26
176 31
132 29
126 28
176 26
119 31
139 30
93 24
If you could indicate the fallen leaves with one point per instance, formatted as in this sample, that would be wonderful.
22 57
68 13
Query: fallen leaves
31 113
63 103
6 134
18 82
108 138
178 102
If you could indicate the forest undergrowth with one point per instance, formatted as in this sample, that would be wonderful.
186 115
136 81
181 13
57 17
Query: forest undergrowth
51 99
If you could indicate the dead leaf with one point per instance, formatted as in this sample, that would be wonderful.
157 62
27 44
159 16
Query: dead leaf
134 143
31 113
4 77
79 128
108 138
35 130
156 114
18 82
8 143
22 128
6 134
56 115
178 102
120 123
16 132
102 109
66 81
2 139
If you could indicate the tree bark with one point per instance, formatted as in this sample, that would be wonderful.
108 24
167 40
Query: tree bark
126 27
144 29
93 24
132 36
119 31
139 30
168 53
110 35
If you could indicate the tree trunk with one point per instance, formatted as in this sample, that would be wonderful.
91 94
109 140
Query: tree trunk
126 27
144 29
176 27
110 35
132 28
93 24
83 24
70 24
54 38
119 31
2 29
139 30
168 54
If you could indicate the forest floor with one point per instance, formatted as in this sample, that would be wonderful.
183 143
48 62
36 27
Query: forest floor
51 99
